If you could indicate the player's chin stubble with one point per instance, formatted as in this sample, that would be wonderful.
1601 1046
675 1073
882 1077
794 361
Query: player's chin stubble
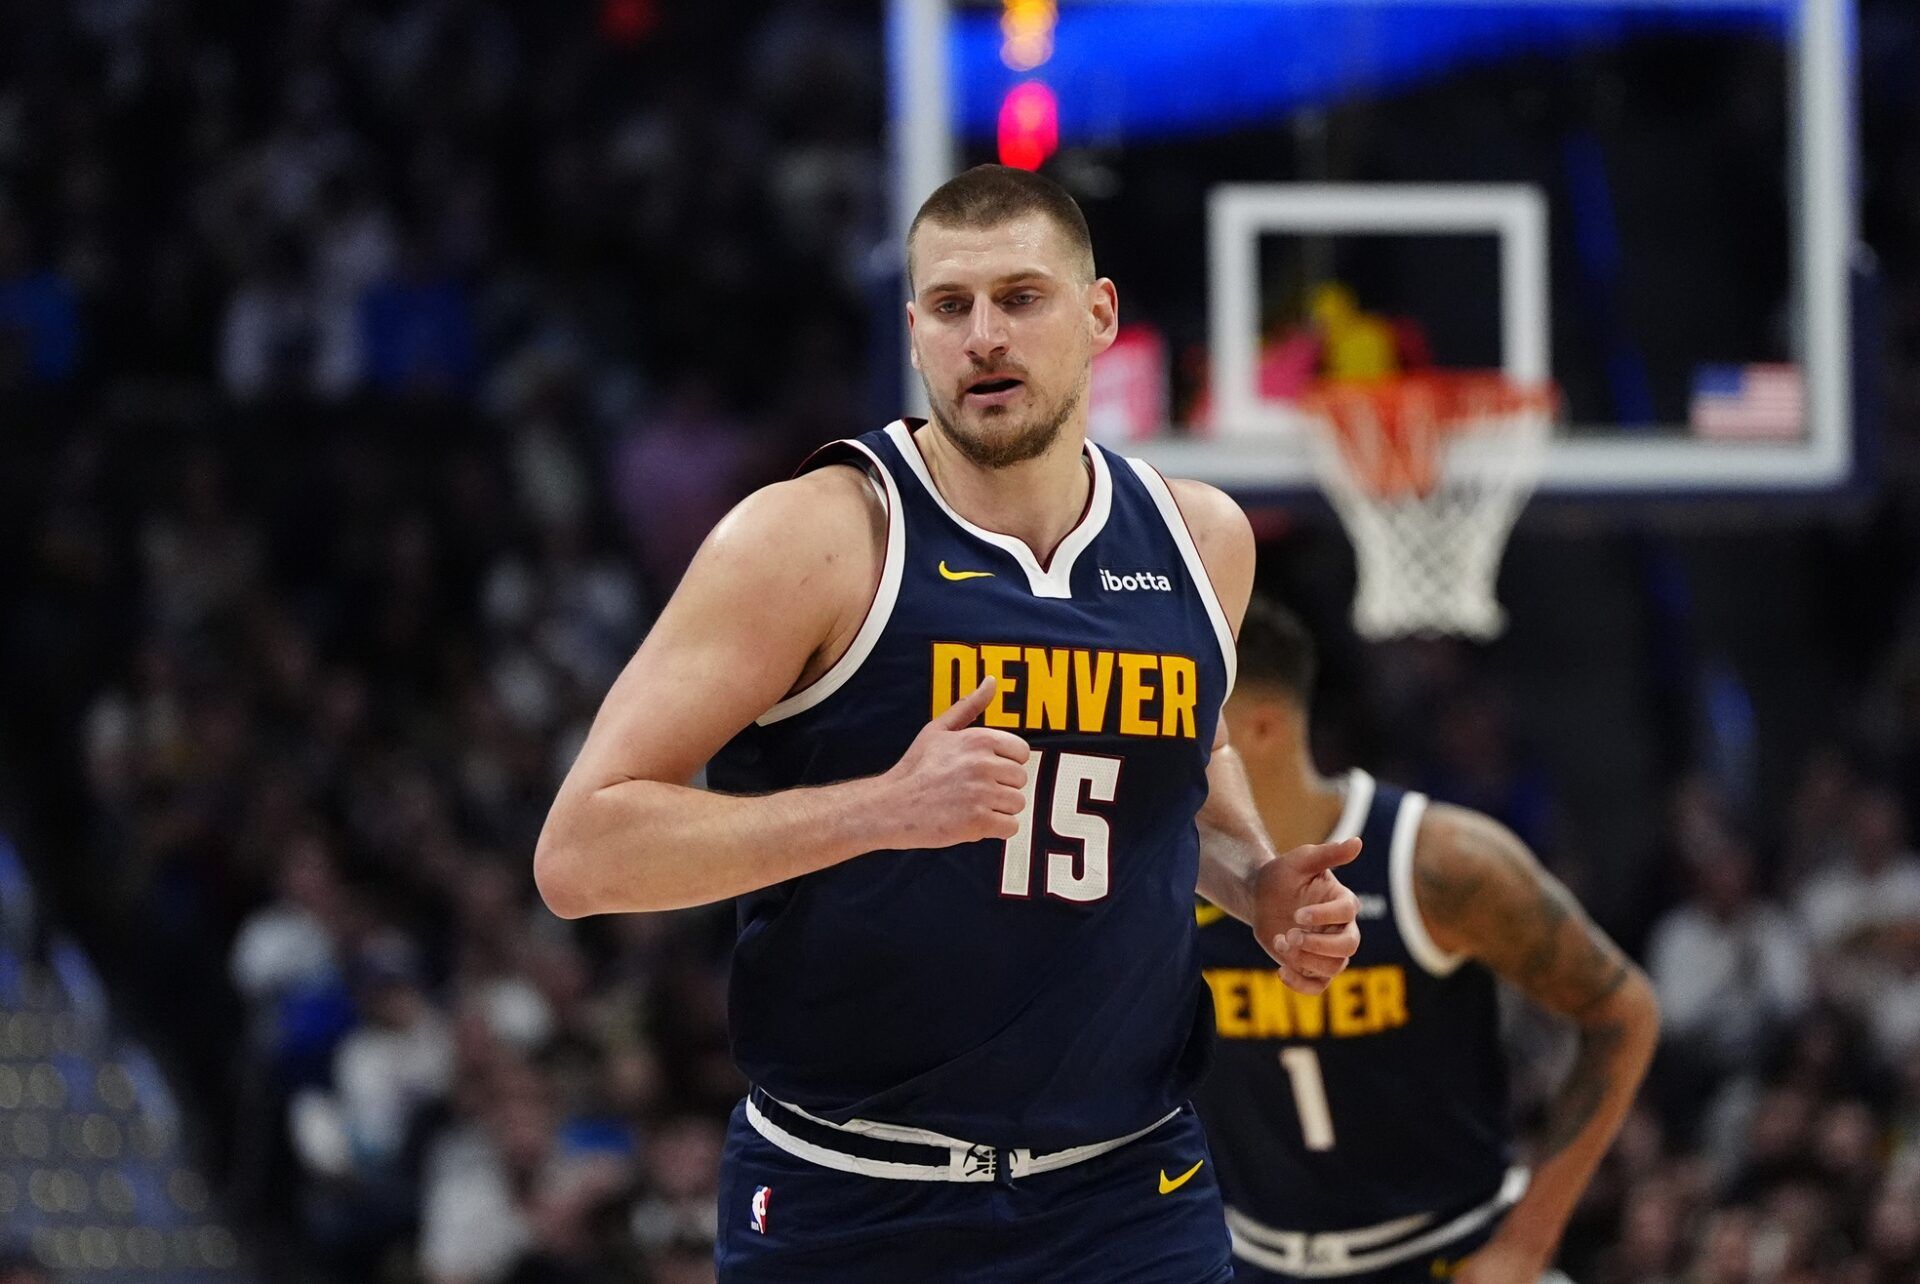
1001 447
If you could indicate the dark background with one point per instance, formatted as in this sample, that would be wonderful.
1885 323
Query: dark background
368 373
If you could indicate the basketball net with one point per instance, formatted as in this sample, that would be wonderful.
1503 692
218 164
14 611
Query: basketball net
1429 472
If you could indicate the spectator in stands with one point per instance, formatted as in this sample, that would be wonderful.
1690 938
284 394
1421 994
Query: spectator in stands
509 1192
289 944
1893 1232
682 1162
1875 884
399 1060
1730 969
270 340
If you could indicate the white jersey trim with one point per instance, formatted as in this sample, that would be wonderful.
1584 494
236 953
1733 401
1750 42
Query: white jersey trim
1353 816
879 610
960 1165
1406 908
1328 1255
820 1155
1196 568
1056 578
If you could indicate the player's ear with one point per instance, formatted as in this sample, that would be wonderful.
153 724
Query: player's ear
913 351
1103 313
1242 717
1260 726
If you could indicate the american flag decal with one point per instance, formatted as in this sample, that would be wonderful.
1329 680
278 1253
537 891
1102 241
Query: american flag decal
1764 402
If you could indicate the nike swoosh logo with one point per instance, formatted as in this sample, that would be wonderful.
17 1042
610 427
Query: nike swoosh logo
946 574
1168 1187
1204 915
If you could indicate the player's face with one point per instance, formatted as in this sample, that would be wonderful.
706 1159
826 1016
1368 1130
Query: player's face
1004 330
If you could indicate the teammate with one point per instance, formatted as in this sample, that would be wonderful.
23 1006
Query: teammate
965 989
1362 1135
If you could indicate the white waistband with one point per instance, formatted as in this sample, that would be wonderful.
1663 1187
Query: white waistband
966 1161
1331 1254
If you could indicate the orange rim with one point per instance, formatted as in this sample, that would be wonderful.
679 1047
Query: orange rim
1390 432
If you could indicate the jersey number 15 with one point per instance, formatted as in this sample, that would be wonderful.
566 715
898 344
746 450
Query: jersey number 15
1078 779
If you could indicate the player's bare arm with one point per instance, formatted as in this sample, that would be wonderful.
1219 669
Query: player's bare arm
1482 894
1296 906
774 597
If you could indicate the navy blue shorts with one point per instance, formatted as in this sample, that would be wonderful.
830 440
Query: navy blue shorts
786 1220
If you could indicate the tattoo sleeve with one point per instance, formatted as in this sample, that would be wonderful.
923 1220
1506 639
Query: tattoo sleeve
1482 893
1585 1090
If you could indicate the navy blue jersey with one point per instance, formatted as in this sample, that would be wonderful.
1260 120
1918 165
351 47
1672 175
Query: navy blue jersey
1384 1098
1040 991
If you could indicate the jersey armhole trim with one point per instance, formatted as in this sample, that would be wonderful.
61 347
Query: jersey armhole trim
1176 521
1353 816
1406 909
879 609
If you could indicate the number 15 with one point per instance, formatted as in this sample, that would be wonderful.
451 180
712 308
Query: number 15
1078 778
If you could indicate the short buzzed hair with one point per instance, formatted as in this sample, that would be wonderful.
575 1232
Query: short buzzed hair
988 195
1277 651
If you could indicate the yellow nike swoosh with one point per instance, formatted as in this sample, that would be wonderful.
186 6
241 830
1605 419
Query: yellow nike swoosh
1168 1187
1203 915
946 574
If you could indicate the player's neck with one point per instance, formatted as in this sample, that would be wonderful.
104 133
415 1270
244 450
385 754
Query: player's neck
1297 804
1037 501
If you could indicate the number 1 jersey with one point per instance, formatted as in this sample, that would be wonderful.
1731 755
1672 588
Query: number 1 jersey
1041 991
1384 1098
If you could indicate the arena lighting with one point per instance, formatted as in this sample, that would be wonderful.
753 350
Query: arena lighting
1166 68
628 22
1026 28
1029 125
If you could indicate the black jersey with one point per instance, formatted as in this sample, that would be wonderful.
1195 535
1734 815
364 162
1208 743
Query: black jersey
1382 1101
1041 991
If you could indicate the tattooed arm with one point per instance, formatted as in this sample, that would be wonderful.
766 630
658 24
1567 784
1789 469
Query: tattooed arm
1482 894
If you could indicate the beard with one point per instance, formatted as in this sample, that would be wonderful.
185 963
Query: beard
1004 444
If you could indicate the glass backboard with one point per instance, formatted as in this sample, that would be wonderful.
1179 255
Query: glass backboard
1649 202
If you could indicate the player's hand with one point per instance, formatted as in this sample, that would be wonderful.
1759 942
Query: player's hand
958 782
1500 1263
1304 917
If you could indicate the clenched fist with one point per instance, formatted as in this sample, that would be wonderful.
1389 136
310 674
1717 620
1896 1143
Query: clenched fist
957 782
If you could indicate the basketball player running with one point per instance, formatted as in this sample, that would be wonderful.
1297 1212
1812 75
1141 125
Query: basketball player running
1363 1135
960 688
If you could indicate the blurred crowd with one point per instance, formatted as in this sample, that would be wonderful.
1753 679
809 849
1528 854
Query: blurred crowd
1779 1137
369 371
372 369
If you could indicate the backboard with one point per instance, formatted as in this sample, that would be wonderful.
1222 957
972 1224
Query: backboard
1648 202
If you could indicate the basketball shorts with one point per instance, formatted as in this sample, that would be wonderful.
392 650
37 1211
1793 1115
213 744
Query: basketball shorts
1144 1212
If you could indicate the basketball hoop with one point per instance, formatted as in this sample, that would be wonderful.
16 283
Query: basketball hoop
1428 472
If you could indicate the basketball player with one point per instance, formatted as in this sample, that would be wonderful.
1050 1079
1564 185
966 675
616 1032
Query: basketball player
1362 1135
960 687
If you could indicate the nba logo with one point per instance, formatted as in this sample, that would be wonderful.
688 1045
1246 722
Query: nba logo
762 1196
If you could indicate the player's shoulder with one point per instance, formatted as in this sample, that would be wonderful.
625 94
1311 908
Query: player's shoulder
1204 504
1462 856
819 508
1452 835
810 532
1460 832
1223 537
